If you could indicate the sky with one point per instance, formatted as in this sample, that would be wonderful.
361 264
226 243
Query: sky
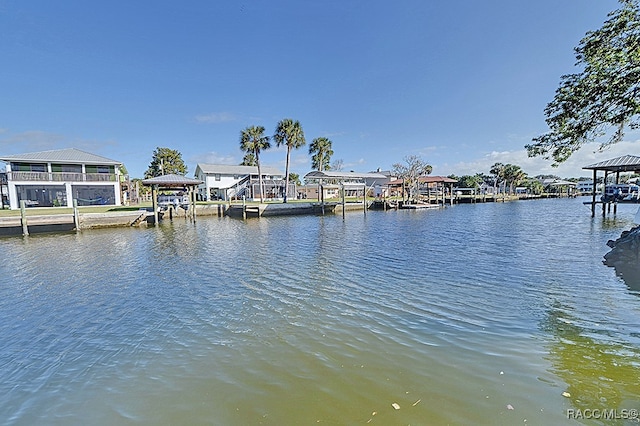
461 83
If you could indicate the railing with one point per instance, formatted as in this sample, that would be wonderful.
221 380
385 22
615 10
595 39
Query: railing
61 177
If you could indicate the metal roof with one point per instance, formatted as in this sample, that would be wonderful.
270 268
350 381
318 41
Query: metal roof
171 180
69 155
329 174
626 163
228 169
427 179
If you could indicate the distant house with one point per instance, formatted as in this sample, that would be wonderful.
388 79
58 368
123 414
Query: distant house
311 191
56 178
226 182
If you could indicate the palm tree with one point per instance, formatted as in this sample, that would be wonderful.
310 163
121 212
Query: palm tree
253 140
289 133
249 159
321 152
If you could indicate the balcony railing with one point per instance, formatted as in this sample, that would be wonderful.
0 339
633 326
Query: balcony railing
61 177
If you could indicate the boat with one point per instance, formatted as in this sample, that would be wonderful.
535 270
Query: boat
173 200
621 193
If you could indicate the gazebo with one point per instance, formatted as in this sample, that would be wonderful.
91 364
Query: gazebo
173 182
626 163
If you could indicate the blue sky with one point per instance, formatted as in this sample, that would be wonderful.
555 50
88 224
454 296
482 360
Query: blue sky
462 83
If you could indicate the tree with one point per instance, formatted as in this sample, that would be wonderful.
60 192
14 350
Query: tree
468 181
513 176
295 178
602 98
165 161
410 172
337 165
321 152
249 159
534 185
497 170
254 141
289 133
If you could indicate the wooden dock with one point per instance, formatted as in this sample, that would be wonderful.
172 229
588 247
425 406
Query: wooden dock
28 224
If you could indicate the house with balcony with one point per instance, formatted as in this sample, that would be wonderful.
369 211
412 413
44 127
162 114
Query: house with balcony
226 182
55 178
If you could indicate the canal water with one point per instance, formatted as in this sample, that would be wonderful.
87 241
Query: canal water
498 313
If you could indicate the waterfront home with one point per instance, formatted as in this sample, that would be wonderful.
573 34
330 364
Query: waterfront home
310 191
55 178
226 182
585 187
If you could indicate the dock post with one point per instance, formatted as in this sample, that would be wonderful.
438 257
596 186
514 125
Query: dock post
343 202
244 208
364 199
154 203
194 196
76 217
23 217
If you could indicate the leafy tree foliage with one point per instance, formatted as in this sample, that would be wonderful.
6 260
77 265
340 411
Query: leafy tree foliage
468 181
254 141
166 161
513 176
321 152
295 178
534 185
249 159
410 172
289 133
603 98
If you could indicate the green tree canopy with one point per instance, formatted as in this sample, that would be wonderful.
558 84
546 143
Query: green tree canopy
513 176
249 159
165 161
603 98
468 181
253 141
289 133
321 152
295 178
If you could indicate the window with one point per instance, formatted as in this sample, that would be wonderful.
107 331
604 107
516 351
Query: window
217 176
236 177
42 196
91 195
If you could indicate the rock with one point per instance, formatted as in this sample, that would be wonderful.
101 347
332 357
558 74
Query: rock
625 256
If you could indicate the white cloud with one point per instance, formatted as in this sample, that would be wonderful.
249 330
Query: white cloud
587 155
215 117
214 158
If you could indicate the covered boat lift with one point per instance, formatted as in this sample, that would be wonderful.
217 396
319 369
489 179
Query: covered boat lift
173 182
626 163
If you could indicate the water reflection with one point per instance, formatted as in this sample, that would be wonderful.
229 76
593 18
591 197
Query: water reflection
601 373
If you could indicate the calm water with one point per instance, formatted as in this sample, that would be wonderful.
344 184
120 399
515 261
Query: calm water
473 314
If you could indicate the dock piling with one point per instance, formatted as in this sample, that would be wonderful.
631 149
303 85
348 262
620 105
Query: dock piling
23 217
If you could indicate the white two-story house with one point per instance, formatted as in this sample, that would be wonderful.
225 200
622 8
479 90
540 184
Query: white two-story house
56 178
225 182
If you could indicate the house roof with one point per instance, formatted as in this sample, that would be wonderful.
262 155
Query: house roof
557 182
171 180
626 163
427 179
69 155
228 169
330 174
